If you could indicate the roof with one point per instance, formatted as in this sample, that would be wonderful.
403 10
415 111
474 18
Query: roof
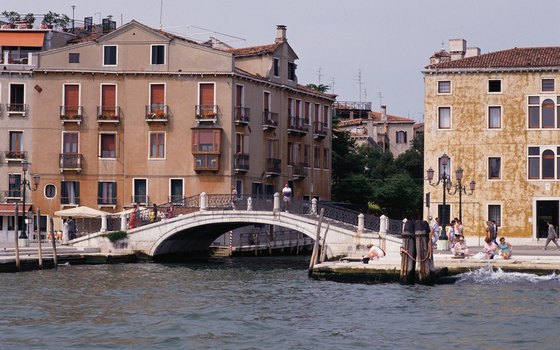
255 50
532 57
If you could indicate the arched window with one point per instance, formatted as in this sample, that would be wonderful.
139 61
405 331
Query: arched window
548 164
548 113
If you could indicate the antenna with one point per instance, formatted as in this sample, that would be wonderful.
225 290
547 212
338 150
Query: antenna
380 98
319 75
160 14
332 84
360 83
365 94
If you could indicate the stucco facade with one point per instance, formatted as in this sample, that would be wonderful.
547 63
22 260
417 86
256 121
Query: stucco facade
496 116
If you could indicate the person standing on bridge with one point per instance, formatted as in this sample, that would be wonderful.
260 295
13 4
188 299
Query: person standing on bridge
287 195
551 236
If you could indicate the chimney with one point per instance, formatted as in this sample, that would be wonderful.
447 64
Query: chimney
457 48
383 114
281 33
472 52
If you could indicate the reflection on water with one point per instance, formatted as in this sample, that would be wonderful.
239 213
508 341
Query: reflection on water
269 303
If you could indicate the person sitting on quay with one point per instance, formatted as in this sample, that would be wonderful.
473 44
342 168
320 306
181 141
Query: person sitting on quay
375 252
489 248
505 248
460 249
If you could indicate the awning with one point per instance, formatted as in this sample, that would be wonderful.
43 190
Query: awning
8 209
25 39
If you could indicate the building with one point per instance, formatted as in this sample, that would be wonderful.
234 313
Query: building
376 129
139 115
497 116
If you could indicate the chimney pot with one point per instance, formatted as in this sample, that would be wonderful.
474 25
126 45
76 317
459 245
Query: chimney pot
281 33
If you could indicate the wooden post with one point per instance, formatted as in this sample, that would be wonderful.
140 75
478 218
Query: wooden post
316 245
423 251
39 243
55 257
408 252
324 248
16 229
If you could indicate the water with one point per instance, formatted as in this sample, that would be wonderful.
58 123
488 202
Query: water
269 303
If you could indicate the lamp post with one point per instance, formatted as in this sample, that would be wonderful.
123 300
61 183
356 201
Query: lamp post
459 187
443 178
26 184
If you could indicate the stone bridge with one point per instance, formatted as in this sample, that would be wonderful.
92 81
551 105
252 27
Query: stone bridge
192 232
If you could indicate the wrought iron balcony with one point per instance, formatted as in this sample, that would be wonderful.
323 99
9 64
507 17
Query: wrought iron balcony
15 156
106 200
70 161
273 167
298 125
270 120
319 130
206 113
299 171
16 109
241 163
71 114
241 115
157 113
108 114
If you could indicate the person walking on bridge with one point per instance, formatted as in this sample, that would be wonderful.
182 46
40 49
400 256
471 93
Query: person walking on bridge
552 236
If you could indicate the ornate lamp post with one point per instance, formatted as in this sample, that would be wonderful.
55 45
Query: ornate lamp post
459 187
444 180
26 184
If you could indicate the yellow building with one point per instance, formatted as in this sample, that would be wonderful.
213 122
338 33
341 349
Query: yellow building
497 116
139 115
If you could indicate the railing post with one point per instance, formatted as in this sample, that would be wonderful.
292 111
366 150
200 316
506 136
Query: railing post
104 222
383 223
276 208
314 206
403 224
123 221
203 201
249 203
361 223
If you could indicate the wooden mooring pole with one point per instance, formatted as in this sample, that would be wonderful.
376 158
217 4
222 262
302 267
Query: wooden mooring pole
314 254
53 239
408 254
16 235
424 257
39 242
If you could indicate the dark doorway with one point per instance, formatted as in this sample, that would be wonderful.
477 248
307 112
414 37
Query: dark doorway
546 211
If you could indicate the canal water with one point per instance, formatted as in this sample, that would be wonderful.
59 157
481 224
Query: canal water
270 303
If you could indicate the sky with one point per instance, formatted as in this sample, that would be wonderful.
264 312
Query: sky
373 50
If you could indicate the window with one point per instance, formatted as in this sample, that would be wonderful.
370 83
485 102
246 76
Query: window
257 189
239 188
108 101
16 143
444 118
176 191
276 67
73 57
70 192
50 191
326 158
266 101
543 162
401 136
157 145
444 87
543 112
70 142
290 153
307 112
317 113
317 157
494 85
547 85
326 116
206 101
241 144
107 193
158 54
71 107
306 153
494 168
548 115
157 100
17 98
291 71
14 186
206 148
108 145
494 117
495 213
140 188
290 108
109 55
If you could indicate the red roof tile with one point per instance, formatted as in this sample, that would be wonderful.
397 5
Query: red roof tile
255 50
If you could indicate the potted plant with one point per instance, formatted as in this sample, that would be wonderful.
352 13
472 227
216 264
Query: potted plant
12 17
30 19
49 19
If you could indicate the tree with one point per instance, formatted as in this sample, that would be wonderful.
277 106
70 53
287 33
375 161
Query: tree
320 88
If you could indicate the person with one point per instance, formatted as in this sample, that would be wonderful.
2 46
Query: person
460 248
488 230
450 231
435 229
287 195
552 236
71 228
233 197
494 227
64 231
505 248
375 252
170 211
489 248
133 221
153 213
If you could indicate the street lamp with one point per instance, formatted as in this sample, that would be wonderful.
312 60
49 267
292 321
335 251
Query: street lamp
459 187
444 180
25 184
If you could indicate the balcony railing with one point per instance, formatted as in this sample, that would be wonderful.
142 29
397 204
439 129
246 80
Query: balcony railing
299 171
72 200
206 113
273 166
71 161
12 195
140 199
352 105
157 113
15 156
241 162
106 200
16 109
298 125
270 120
242 115
177 199
71 114
108 114
319 130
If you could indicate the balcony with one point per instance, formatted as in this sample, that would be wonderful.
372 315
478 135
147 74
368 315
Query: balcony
157 113
298 126
241 163
206 162
72 200
70 161
206 113
140 199
319 130
273 167
12 195
299 171
15 156
16 109
270 120
108 115
107 201
71 114
241 116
